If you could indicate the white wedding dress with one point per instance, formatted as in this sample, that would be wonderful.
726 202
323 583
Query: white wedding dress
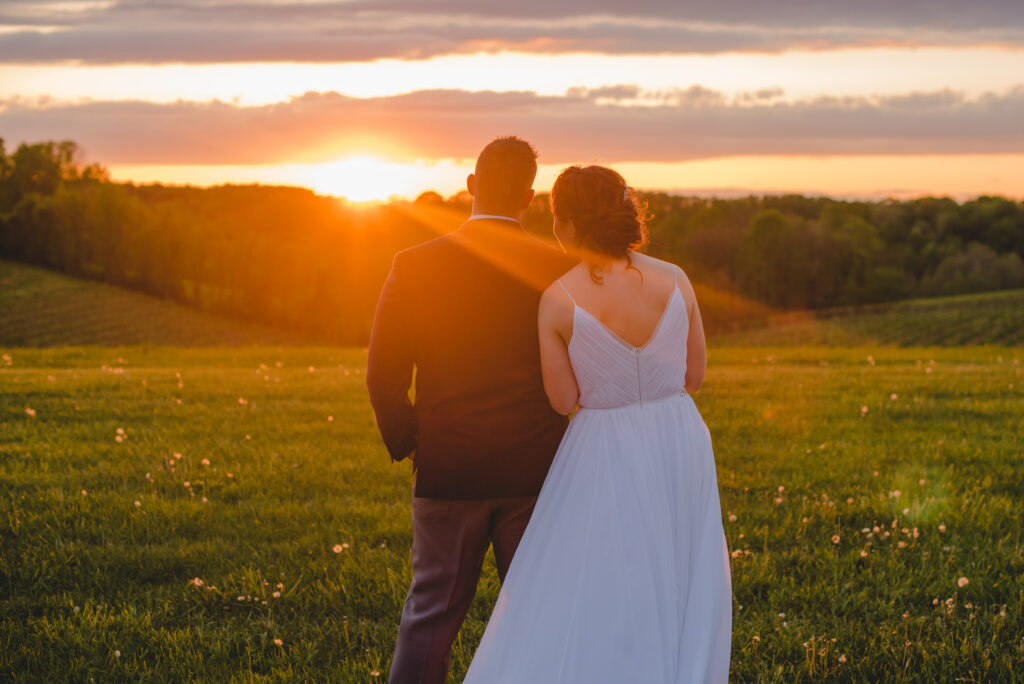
623 572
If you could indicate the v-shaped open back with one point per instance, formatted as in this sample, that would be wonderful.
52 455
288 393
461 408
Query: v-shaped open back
610 372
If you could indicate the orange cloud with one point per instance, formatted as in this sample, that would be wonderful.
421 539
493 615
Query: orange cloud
688 124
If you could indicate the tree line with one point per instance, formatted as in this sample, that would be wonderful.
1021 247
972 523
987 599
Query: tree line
289 257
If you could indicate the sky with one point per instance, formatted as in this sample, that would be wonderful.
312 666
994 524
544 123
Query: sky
376 98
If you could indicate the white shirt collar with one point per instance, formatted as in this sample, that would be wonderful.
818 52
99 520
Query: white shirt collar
474 217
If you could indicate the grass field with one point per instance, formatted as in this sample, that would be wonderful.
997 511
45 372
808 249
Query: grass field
41 308
171 514
976 319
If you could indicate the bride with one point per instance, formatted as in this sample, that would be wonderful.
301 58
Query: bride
622 574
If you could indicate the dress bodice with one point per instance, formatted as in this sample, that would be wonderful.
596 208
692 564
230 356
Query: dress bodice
612 373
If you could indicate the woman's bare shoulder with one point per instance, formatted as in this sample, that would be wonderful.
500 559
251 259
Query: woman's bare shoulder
670 271
659 266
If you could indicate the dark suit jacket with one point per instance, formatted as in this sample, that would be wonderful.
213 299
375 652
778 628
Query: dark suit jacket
462 309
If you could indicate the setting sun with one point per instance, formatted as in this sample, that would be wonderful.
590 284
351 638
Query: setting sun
369 179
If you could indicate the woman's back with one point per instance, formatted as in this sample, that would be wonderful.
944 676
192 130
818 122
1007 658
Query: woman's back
629 301
628 332
628 342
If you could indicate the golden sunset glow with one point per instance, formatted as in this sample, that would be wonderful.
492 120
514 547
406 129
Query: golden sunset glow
362 179
796 73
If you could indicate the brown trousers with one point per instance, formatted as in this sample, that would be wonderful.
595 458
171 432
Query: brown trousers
449 542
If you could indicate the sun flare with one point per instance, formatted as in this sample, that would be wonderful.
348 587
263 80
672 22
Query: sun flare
371 179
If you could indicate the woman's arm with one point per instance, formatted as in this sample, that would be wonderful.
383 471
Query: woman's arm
696 348
554 326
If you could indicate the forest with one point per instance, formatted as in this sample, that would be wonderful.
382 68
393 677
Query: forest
314 264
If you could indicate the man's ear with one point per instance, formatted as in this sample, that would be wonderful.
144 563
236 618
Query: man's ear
471 184
528 198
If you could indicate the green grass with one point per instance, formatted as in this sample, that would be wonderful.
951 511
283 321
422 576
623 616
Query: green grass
95 586
977 319
41 308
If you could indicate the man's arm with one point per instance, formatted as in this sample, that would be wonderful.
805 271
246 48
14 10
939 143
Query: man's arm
389 367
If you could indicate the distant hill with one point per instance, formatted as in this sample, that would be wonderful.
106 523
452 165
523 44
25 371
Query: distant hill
40 308
989 318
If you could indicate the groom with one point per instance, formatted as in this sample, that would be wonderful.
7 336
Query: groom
462 310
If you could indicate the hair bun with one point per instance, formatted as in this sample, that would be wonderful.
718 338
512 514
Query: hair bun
604 210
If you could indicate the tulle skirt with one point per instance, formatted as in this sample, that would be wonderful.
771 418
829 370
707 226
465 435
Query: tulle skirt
623 572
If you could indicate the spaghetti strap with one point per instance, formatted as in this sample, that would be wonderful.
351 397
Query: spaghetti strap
559 281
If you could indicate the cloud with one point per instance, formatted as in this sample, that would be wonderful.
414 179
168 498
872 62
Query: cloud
583 126
110 31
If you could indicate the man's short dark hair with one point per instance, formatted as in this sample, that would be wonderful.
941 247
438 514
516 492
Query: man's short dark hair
505 169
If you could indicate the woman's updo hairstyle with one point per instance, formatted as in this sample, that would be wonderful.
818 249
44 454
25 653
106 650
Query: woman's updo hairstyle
608 218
